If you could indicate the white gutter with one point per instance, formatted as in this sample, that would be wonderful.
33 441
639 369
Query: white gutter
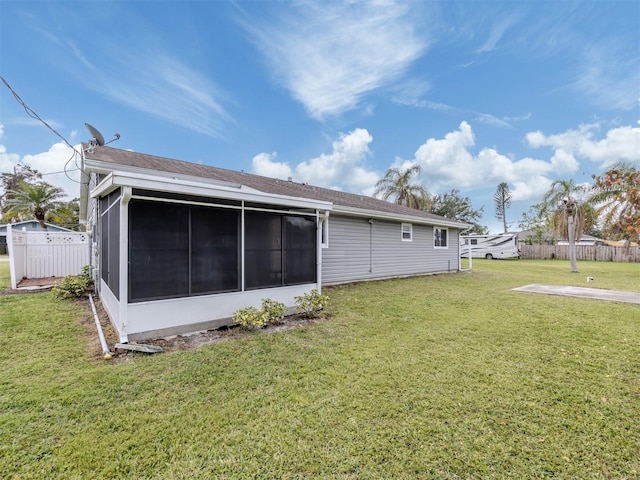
176 185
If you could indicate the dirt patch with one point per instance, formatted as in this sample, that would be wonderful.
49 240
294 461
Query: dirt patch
176 343
32 285
197 339
39 282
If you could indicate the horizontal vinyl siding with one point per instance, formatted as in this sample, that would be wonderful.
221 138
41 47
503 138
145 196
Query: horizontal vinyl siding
361 251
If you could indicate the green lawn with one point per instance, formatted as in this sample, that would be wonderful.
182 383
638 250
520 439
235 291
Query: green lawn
447 377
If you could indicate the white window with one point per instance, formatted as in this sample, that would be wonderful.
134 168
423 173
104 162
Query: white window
406 232
324 225
440 237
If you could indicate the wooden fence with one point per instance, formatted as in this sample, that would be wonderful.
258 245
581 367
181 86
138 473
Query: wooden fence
46 254
600 253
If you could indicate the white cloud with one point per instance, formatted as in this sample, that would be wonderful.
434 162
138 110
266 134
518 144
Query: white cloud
619 144
498 31
329 54
450 162
492 120
342 167
58 158
148 78
447 161
564 162
167 88
609 75
264 164
533 188
58 167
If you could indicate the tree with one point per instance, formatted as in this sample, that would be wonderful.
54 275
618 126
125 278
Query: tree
34 199
534 221
455 207
66 214
396 184
11 182
563 207
616 198
502 197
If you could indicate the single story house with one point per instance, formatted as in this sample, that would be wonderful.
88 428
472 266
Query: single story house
583 240
180 247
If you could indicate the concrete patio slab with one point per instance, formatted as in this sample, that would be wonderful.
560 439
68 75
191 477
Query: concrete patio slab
582 292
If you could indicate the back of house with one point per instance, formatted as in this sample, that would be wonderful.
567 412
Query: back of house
489 246
179 247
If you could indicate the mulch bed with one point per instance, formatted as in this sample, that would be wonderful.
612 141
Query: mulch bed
32 285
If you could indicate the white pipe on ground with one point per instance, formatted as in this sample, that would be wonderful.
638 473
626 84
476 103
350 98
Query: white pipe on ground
103 342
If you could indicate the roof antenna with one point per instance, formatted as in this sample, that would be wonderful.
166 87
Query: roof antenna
98 139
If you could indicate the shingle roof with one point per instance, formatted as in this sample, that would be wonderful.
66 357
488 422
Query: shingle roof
153 163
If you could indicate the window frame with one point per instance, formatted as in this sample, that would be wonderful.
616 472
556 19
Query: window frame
324 232
410 232
436 237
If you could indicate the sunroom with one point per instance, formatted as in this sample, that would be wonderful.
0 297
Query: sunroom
176 255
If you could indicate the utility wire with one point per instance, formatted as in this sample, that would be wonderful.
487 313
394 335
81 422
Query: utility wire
34 115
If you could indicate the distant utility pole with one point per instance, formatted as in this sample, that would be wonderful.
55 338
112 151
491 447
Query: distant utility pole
502 197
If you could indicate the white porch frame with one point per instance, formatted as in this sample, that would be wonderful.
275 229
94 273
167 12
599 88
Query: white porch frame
180 315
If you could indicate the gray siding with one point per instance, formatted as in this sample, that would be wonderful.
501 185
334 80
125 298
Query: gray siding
359 250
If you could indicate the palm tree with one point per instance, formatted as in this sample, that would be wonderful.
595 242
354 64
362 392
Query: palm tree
34 199
616 197
563 206
396 184
66 214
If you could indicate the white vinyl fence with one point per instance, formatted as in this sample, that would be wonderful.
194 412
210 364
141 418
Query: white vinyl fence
46 254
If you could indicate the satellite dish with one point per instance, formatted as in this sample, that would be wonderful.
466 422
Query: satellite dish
97 136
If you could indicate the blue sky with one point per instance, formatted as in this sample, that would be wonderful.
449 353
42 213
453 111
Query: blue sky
332 93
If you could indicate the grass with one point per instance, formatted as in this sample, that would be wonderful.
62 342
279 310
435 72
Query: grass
451 376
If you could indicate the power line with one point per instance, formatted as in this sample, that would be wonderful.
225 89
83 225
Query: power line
34 115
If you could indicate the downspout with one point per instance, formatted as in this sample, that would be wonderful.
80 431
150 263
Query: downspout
84 191
371 245
105 349
123 304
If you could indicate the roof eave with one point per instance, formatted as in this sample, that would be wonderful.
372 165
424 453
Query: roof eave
116 179
104 168
363 212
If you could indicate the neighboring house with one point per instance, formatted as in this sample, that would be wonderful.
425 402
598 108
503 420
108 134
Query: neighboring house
584 240
29 226
180 246
529 236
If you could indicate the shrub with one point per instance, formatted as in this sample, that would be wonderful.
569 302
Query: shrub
312 304
72 286
251 317
274 310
